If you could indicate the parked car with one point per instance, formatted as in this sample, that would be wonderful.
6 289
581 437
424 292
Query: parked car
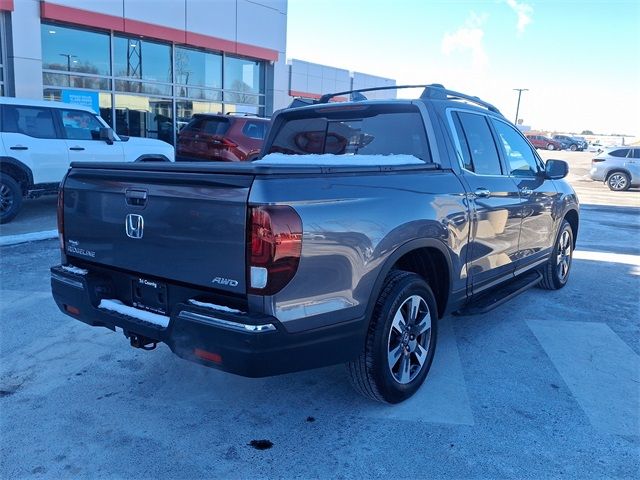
569 143
582 140
221 138
364 223
618 167
597 146
39 139
540 141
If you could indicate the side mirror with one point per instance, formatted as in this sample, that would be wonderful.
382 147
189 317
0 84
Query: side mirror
106 134
556 169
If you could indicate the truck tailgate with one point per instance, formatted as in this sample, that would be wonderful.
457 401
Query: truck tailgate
184 226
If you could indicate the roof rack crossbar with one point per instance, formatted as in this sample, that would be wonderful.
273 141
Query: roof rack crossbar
434 91
328 96
440 93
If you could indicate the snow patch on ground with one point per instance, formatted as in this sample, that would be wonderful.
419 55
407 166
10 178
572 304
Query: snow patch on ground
339 160
213 306
149 317
27 237
76 270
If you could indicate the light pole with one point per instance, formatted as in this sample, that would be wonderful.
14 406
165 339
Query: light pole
519 90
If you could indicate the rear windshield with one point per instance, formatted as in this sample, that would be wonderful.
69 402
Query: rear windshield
349 130
212 126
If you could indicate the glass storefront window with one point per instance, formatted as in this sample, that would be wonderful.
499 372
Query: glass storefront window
242 75
140 87
135 58
198 68
74 50
185 109
231 108
73 81
142 116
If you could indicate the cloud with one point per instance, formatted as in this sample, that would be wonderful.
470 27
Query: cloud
524 12
468 37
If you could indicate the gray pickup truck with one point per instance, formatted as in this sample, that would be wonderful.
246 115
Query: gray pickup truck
363 223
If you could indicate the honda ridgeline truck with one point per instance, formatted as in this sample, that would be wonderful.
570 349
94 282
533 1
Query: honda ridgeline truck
362 224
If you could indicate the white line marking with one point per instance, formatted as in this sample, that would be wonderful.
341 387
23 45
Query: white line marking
601 370
607 257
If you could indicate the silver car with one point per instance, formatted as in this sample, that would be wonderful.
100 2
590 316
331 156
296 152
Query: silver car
618 167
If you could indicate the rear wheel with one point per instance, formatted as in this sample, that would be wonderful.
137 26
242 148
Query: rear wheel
618 181
400 342
550 146
555 273
10 198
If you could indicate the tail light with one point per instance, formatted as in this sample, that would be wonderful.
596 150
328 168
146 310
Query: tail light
273 248
222 142
60 216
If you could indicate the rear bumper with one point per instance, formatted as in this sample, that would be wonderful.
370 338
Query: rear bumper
232 342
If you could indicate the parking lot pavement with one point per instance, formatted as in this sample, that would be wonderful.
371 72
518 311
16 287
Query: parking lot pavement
547 385
37 215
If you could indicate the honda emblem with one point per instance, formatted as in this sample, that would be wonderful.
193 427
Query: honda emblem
134 225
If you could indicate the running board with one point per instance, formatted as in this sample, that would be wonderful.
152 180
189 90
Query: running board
501 294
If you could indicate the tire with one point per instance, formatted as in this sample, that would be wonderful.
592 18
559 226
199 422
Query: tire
10 198
555 272
374 374
551 147
618 181
573 147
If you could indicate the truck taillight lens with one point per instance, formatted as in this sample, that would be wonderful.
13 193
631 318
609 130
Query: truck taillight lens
274 247
60 216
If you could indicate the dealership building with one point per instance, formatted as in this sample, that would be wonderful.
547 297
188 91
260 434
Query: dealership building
148 65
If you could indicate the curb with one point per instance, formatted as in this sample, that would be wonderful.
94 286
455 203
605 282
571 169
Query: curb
28 237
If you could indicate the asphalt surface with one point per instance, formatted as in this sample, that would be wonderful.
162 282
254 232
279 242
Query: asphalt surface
545 386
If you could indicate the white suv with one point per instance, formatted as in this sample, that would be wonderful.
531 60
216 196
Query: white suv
39 139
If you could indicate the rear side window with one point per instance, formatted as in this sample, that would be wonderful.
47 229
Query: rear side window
256 130
211 126
621 152
32 121
481 155
636 153
367 131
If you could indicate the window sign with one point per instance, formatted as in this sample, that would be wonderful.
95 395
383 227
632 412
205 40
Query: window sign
81 97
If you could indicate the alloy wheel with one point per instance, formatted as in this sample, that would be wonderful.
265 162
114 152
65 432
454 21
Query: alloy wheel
409 339
6 198
618 181
563 261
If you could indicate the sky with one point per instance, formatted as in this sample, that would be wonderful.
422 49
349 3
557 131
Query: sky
580 60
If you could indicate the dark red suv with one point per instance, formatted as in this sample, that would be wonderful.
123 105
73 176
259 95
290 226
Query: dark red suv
221 138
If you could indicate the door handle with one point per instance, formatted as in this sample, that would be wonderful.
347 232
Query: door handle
18 147
526 191
76 149
482 193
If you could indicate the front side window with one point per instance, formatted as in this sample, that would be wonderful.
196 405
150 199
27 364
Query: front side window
73 50
520 159
32 121
79 125
482 152
369 132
